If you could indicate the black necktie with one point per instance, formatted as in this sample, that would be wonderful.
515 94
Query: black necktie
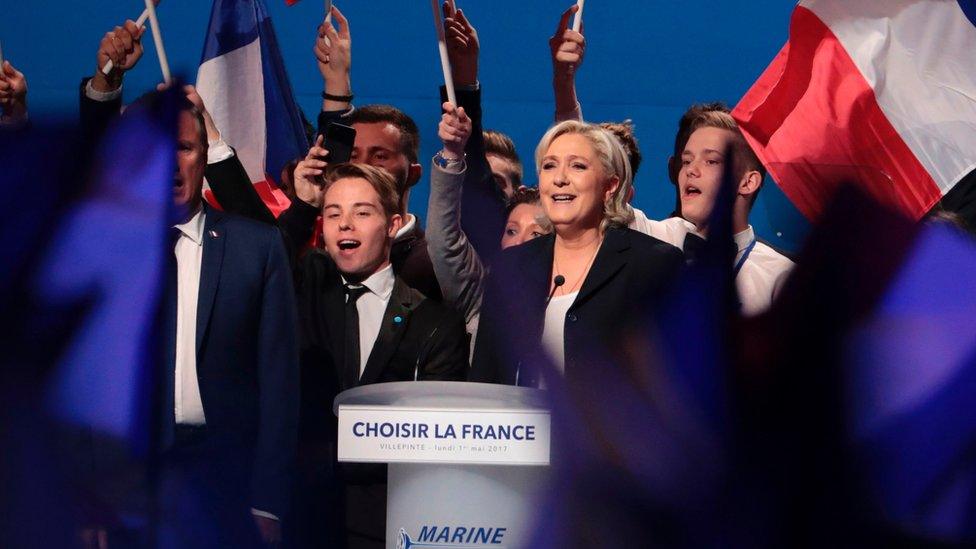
351 355
692 247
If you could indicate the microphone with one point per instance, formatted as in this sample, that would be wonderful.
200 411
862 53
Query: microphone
558 281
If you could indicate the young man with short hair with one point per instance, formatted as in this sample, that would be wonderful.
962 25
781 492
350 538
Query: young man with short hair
361 324
506 166
760 271
386 137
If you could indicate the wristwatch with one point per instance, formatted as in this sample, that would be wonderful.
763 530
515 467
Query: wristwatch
446 163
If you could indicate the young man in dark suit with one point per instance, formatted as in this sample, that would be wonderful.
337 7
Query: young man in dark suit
361 324
386 137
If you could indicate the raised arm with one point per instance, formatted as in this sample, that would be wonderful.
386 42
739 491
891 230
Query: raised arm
567 47
228 180
457 266
482 203
100 95
333 52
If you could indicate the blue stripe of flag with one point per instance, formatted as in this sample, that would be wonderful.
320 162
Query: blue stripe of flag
286 133
233 25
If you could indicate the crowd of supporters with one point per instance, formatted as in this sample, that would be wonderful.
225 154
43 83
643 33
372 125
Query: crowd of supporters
517 276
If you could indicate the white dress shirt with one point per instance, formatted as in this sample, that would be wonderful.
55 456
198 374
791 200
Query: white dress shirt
371 307
189 257
762 273
761 276
553 331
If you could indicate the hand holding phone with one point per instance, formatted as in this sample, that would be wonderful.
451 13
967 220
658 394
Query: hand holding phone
308 174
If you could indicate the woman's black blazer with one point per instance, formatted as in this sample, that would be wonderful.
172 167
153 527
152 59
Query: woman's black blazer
629 275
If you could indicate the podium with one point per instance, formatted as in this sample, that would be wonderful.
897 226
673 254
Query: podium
465 459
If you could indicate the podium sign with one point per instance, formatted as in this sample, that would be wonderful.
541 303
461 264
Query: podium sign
396 434
467 460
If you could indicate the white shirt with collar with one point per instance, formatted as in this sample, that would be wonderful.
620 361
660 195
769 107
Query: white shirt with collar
409 225
761 276
371 307
188 407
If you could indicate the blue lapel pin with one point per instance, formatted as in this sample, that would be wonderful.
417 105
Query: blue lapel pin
397 320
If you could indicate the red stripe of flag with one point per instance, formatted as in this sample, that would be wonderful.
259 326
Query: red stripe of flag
815 123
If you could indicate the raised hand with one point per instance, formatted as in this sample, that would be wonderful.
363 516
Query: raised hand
213 134
13 93
567 47
333 51
454 131
122 46
308 174
462 45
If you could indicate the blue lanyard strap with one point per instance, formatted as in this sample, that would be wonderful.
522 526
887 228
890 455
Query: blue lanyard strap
742 260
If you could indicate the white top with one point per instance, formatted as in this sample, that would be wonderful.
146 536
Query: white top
759 280
671 230
762 275
553 336
188 407
371 306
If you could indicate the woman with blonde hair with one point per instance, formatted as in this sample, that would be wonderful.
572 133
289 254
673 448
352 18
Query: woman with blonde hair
584 283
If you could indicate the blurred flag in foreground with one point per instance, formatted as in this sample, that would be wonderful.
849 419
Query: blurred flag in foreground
242 81
80 301
108 248
911 370
883 93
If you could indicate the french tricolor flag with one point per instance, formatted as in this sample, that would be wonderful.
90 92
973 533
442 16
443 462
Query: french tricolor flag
242 81
882 93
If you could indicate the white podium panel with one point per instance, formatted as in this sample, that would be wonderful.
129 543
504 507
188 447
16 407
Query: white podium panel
459 506
466 459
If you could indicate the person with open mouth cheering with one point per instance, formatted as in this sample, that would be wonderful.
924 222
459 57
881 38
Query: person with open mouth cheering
580 286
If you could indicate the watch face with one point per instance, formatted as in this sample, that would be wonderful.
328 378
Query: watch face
443 162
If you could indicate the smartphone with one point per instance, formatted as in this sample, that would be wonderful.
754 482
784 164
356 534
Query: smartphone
339 140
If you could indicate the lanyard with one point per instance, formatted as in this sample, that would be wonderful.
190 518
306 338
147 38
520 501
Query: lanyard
742 260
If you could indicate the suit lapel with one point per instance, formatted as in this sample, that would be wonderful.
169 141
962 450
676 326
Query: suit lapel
538 271
609 260
334 315
395 319
213 258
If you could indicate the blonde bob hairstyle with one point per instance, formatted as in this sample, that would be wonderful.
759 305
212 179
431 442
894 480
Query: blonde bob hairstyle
616 211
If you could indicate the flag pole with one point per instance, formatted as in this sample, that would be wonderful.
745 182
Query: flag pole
328 20
442 47
158 40
139 23
1 56
578 21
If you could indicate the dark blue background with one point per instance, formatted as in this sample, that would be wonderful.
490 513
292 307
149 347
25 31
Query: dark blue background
646 60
